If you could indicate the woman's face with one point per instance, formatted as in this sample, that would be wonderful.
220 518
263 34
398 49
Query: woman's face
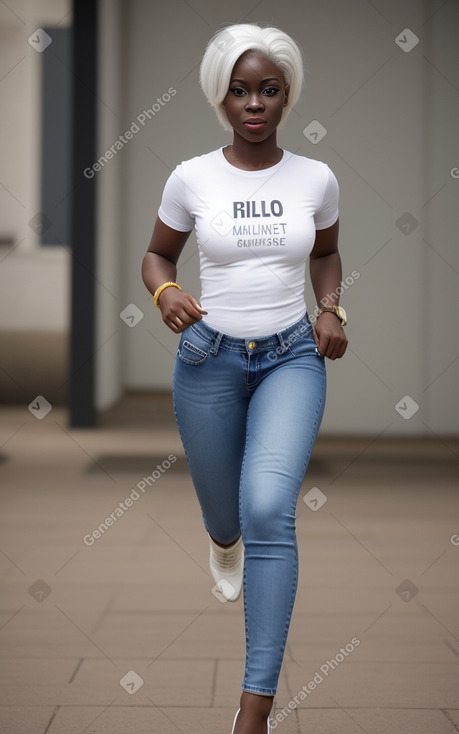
256 97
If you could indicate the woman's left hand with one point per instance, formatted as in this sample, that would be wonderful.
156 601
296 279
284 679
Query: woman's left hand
329 336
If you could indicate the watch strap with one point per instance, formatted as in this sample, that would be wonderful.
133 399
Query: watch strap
332 309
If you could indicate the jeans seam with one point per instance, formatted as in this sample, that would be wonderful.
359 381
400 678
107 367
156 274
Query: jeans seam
241 524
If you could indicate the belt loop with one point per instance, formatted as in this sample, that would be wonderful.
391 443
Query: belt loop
216 344
281 339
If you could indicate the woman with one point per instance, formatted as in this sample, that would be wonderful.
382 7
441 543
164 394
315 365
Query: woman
249 379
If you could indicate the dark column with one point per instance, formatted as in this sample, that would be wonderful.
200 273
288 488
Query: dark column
82 341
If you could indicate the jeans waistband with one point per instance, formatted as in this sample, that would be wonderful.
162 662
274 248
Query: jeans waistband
218 339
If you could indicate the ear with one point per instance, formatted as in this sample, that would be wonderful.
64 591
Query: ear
286 93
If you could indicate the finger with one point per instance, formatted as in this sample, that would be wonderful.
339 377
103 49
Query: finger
319 344
324 345
188 312
337 348
176 323
189 317
197 306
180 323
184 315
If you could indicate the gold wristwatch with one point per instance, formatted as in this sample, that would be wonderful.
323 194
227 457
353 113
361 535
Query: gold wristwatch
338 311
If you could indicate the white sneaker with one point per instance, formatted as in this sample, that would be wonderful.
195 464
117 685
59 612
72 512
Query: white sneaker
234 722
226 567
269 720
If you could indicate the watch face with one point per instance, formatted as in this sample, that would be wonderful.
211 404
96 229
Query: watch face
342 315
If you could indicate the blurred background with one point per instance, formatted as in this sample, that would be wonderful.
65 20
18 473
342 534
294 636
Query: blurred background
381 89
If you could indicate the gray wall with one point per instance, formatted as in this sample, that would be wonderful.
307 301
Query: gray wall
391 117
34 280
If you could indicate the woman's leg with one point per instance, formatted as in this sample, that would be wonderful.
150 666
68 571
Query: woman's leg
284 415
210 403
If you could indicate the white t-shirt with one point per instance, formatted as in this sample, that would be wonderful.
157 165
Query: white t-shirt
255 231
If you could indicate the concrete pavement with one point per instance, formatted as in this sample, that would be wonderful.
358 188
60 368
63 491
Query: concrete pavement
112 627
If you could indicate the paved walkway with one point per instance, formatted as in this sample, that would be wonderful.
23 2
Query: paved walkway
116 631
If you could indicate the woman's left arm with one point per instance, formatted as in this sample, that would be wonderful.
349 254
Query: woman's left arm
326 273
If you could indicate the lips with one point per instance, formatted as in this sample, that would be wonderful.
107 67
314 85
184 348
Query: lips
254 123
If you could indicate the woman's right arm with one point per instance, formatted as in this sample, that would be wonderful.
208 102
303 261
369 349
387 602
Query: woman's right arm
178 308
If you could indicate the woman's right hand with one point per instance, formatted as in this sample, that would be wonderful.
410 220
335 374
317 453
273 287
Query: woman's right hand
179 309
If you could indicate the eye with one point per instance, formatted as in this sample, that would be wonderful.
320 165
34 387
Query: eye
270 91
238 91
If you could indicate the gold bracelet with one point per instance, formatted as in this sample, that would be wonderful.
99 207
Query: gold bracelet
161 288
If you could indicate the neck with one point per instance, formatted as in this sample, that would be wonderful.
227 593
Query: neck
254 156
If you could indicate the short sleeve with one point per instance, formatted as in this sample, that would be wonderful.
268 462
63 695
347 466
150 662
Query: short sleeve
328 212
174 210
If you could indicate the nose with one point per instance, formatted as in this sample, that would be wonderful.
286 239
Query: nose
255 102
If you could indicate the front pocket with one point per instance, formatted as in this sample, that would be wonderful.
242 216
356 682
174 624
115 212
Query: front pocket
190 353
303 347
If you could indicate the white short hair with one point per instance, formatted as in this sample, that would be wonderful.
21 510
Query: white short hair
228 45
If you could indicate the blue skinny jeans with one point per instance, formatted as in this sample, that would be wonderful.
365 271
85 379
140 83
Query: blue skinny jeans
248 412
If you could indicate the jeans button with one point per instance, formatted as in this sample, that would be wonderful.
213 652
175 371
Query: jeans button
251 345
